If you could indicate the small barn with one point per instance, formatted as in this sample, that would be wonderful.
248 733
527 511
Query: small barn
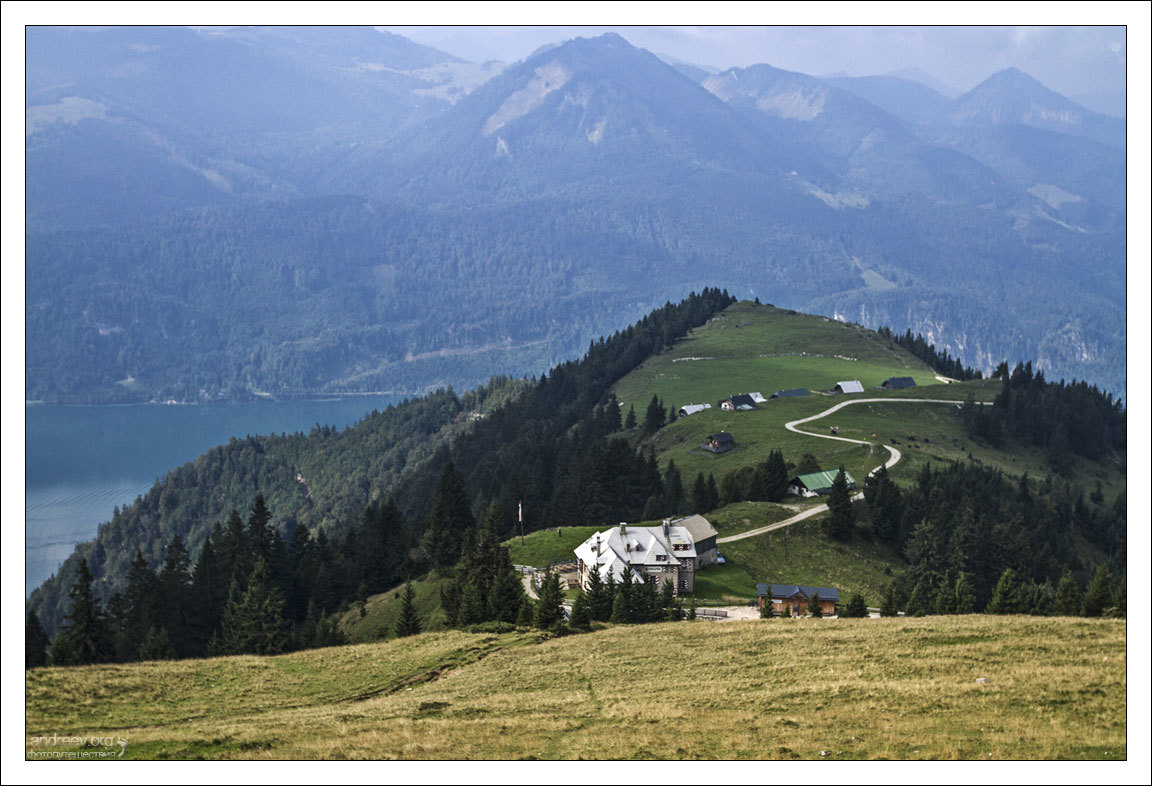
741 402
793 393
815 484
720 443
850 386
898 383
797 597
692 409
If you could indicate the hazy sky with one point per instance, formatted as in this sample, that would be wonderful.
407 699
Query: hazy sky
1070 60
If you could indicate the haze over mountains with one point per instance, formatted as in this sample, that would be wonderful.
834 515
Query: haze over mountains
296 211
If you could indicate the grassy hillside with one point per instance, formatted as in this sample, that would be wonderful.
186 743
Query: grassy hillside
776 689
380 613
752 347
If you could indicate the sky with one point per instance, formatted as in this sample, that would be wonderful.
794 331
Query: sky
1070 60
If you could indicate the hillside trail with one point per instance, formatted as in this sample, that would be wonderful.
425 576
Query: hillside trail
894 458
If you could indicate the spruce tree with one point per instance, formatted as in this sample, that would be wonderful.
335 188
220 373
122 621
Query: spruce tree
840 519
776 477
946 595
83 638
551 596
526 613
35 642
785 611
630 421
890 606
713 500
692 608
1006 597
918 602
667 597
619 609
856 606
965 599
808 464
673 488
699 495
599 596
156 645
814 605
450 517
654 416
1099 598
580 618
1068 599
471 606
408 623
255 623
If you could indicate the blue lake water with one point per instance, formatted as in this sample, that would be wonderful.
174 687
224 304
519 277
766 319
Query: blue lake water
81 462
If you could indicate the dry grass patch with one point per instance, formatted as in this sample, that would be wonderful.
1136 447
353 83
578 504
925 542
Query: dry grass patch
764 689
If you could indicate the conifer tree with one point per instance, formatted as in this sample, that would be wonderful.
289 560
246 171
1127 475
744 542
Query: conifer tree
918 602
471 605
692 608
840 519
1099 597
548 602
890 606
580 618
776 477
654 416
526 614
83 638
630 420
856 606
965 599
699 494
599 596
667 597
785 611
408 623
450 517
814 605
255 623
156 645
35 642
619 608
808 464
673 488
1068 599
946 595
1006 597
176 604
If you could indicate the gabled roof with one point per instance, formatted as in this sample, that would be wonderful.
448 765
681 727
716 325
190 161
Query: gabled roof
850 386
698 527
742 400
791 590
758 397
822 479
722 436
899 383
692 409
637 546
790 393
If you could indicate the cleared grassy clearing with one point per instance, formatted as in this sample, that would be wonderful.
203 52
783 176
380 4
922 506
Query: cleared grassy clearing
381 611
777 689
543 547
760 348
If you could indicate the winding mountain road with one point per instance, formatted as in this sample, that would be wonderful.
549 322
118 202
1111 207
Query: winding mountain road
894 457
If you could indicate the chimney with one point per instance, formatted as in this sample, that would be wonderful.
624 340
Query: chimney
666 523
597 544
623 528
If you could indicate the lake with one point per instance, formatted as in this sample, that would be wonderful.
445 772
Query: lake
81 462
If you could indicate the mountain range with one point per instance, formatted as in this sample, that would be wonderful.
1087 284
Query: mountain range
223 211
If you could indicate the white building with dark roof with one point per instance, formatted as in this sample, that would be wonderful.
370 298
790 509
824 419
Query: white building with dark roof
651 554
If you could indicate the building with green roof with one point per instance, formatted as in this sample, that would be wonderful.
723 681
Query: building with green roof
815 484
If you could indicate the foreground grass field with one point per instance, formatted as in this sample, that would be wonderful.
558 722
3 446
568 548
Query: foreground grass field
761 689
